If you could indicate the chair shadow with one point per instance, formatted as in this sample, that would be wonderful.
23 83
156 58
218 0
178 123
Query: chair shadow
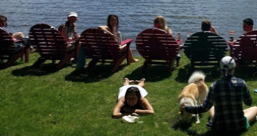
212 73
44 69
13 64
99 72
248 73
153 73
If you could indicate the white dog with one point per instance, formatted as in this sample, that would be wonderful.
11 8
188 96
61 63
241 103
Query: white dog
193 94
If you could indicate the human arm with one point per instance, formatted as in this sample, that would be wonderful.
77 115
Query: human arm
148 107
247 96
205 106
106 29
64 32
75 34
212 29
117 109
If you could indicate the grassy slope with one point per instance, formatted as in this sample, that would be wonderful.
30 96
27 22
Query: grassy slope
47 102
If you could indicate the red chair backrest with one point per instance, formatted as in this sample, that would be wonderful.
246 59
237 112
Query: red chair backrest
245 48
99 44
156 44
7 46
47 40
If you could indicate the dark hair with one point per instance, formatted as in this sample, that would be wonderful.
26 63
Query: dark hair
248 21
108 21
206 25
133 90
3 19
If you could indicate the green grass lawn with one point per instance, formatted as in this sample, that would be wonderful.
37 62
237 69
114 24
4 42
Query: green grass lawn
48 102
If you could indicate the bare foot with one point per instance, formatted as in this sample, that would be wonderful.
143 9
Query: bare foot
127 80
132 81
141 80
134 60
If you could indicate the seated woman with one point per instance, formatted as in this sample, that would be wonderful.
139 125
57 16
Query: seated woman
131 100
160 23
113 29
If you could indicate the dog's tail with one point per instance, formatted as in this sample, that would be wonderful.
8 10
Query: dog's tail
196 77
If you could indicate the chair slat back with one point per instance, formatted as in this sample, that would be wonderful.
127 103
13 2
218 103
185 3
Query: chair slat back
7 46
245 48
99 44
47 41
205 46
156 44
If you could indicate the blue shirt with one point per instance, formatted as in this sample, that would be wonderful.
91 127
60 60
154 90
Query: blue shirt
227 95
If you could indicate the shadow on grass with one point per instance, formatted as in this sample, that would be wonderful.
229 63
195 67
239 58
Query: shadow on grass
153 73
248 73
14 64
186 128
44 69
212 73
98 73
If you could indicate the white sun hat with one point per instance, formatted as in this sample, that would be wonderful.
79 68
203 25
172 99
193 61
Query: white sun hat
130 119
227 63
73 14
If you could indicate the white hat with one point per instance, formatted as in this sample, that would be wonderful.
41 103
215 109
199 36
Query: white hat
130 119
73 14
227 63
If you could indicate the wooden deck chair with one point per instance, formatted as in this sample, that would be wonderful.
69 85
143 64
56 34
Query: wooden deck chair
157 47
205 48
50 44
9 53
102 47
244 50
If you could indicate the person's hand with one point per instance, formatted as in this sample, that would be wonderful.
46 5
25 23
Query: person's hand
212 29
134 114
182 109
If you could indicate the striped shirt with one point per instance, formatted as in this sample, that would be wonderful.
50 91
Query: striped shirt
228 95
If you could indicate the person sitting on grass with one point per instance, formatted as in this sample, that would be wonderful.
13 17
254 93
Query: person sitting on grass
227 95
131 100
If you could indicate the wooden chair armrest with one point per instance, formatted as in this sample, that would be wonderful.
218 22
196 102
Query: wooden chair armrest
179 41
231 44
127 41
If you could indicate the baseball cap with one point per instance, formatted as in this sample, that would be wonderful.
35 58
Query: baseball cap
227 63
73 14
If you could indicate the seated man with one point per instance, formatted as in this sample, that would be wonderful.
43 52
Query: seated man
206 26
248 25
68 29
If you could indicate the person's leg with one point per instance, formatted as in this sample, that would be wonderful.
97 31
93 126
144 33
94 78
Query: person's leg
126 82
141 82
251 113
130 57
81 61
211 112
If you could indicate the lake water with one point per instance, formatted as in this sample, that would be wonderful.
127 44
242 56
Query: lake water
134 15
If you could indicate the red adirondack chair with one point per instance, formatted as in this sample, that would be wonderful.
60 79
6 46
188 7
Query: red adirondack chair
8 51
102 47
157 47
244 49
50 44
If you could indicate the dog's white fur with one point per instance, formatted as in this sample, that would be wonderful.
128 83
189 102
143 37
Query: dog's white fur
193 94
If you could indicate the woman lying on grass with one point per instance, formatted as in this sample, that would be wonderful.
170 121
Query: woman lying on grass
131 100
